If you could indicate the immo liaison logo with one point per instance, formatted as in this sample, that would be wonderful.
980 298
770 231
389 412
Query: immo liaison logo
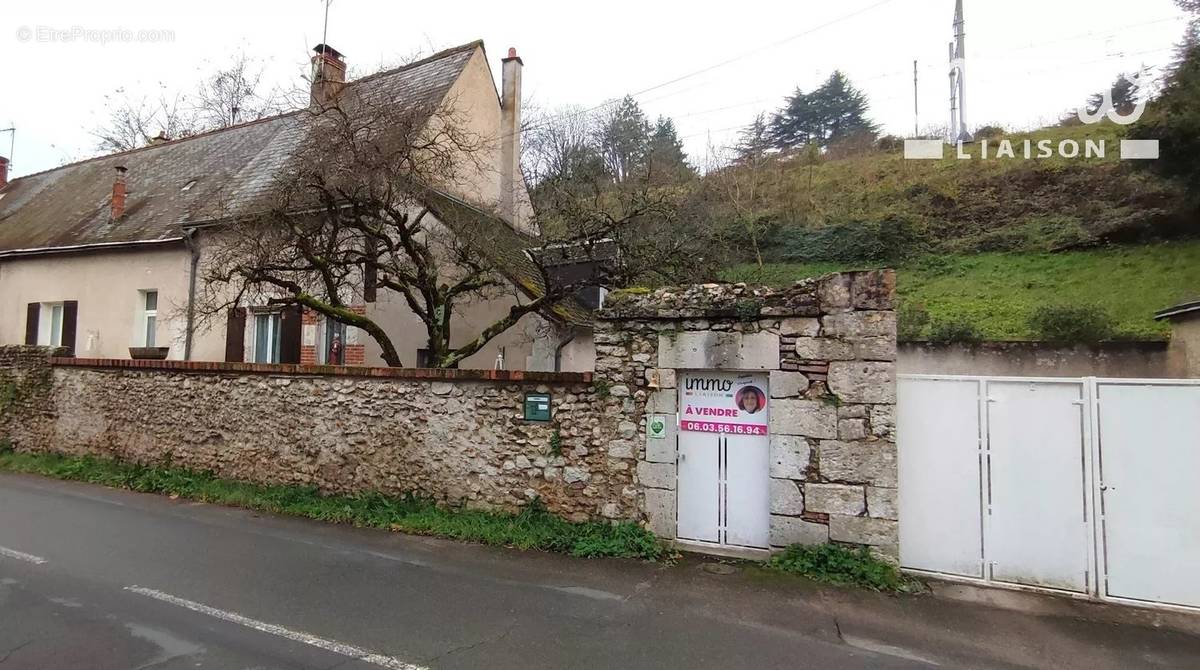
1043 149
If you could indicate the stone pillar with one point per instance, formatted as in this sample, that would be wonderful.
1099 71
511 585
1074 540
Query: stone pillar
829 346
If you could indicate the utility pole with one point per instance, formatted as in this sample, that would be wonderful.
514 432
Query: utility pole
958 80
12 144
916 104
325 37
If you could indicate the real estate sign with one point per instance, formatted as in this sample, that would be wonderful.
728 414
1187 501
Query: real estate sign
724 403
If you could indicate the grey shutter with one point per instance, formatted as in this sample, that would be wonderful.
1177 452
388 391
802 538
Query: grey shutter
33 312
290 329
70 316
235 335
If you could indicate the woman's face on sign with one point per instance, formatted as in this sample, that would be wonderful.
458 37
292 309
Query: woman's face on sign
750 401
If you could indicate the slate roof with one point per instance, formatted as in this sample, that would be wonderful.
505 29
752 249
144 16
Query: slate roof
233 171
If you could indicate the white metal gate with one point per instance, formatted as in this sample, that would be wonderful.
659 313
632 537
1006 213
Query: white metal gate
722 489
1149 438
1077 485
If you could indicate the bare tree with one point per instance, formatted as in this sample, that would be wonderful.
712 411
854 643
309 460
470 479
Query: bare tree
362 209
135 121
231 94
740 179
558 144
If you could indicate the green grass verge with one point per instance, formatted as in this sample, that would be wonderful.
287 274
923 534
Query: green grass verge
997 292
533 528
843 566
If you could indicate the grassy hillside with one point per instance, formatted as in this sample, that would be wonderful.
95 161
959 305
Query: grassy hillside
998 291
984 242
819 211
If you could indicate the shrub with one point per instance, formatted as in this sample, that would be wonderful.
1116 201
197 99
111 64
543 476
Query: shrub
955 330
990 133
1072 324
1174 120
838 564
889 144
892 239
911 321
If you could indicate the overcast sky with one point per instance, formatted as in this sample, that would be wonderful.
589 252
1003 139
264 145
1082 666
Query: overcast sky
1027 60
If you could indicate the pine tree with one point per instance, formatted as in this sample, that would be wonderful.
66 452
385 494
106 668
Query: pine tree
1125 94
834 111
667 160
753 142
842 110
796 124
1173 118
624 139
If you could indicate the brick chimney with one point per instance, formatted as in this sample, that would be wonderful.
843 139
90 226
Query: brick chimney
328 74
118 193
3 171
510 134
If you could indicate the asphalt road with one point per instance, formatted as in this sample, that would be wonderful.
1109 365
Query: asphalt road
95 578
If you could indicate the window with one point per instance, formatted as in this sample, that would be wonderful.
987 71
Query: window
51 324
149 317
266 337
333 343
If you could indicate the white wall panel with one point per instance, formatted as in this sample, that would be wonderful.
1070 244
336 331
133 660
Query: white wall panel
937 425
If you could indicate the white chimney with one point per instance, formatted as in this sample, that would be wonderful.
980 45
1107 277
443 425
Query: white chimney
510 135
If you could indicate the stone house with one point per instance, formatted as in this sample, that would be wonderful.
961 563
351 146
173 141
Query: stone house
101 255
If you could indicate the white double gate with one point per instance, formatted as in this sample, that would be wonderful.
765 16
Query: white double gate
1086 486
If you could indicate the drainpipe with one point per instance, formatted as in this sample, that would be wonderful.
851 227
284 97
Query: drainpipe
571 333
189 240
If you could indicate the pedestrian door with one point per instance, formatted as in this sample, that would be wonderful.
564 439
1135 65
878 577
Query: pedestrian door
723 460
1148 493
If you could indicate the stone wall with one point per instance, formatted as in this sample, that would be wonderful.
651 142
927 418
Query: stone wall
827 344
26 384
457 436
829 347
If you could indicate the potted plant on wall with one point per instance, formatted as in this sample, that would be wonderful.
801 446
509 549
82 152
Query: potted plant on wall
149 353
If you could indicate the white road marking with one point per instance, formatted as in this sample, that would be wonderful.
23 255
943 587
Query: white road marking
351 651
22 556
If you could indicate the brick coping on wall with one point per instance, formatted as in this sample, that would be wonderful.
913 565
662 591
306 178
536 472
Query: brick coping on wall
432 374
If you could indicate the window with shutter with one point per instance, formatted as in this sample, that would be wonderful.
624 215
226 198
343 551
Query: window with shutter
266 337
52 324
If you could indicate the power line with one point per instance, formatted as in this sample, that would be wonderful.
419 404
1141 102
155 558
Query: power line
715 66
841 19
753 52
1058 68
792 38
706 112
1027 47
